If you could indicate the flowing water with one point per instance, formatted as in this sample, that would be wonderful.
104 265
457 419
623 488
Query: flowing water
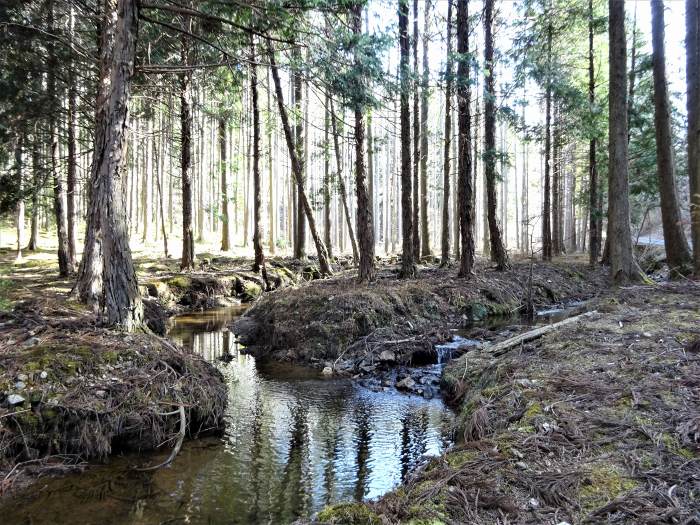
294 443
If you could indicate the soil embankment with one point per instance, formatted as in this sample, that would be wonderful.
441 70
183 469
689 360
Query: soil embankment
597 422
337 324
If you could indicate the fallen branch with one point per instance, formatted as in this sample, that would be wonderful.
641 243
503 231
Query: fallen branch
178 445
504 346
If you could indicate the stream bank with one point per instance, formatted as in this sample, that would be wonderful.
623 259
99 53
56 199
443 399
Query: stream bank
597 422
349 329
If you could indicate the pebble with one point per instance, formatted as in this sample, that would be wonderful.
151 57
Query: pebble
387 356
15 399
44 374
407 383
327 371
19 385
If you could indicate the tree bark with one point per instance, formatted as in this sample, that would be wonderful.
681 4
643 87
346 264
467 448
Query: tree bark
498 251
188 257
300 234
225 227
416 138
259 262
692 13
594 211
20 202
37 184
464 194
324 265
365 221
677 250
65 262
327 177
408 267
546 211
445 244
425 87
621 256
71 182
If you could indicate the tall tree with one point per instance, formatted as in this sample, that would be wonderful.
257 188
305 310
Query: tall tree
188 258
300 234
677 251
425 91
416 138
65 262
464 193
621 255
259 261
365 227
408 267
445 244
692 42
546 208
72 124
297 169
498 251
225 225
327 176
594 211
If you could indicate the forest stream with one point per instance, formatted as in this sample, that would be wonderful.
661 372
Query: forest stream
295 442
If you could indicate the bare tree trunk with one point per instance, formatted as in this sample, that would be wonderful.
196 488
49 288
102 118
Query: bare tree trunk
365 221
324 265
188 258
445 256
594 211
416 138
464 195
498 252
556 176
425 232
37 184
327 177
621 256
341 185
546 211
271 207
677 250
300 234
226 228
408 267
259 262
692 13
146 196
65 263
71 183
20 202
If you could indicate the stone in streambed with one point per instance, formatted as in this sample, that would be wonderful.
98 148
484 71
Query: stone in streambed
387 356
407 383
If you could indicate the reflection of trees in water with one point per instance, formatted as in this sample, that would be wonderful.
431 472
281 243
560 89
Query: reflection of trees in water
257 439
295 490
362 417
329 428
414 439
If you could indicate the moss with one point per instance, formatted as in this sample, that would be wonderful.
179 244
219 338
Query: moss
603 484
349 514
459 458
6 286
534 410
179 281
674 447
251 291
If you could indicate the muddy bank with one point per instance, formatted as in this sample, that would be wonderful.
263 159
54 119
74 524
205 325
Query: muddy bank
71 392
337 324
596 422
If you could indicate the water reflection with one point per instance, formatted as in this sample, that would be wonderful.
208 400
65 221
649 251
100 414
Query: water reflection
294 443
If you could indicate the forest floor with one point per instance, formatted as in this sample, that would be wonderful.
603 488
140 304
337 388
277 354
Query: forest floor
597 422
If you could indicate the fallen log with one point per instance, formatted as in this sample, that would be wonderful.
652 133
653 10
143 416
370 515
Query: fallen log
504 346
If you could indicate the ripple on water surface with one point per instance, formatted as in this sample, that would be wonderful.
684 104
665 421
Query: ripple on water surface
294 443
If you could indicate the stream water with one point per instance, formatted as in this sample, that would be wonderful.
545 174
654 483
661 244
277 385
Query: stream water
294 443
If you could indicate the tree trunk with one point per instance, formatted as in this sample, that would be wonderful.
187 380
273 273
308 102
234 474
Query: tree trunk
546 211
37 184
621 256
146 196
270 180
259 262
365 226
20 202
327 177
425 233
594 211
65 263
324 265
341 185
71 182
416 138
188 258
300 234
692 14
225 227
445 245
408 267
556 176
498 252
464 194
677 250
